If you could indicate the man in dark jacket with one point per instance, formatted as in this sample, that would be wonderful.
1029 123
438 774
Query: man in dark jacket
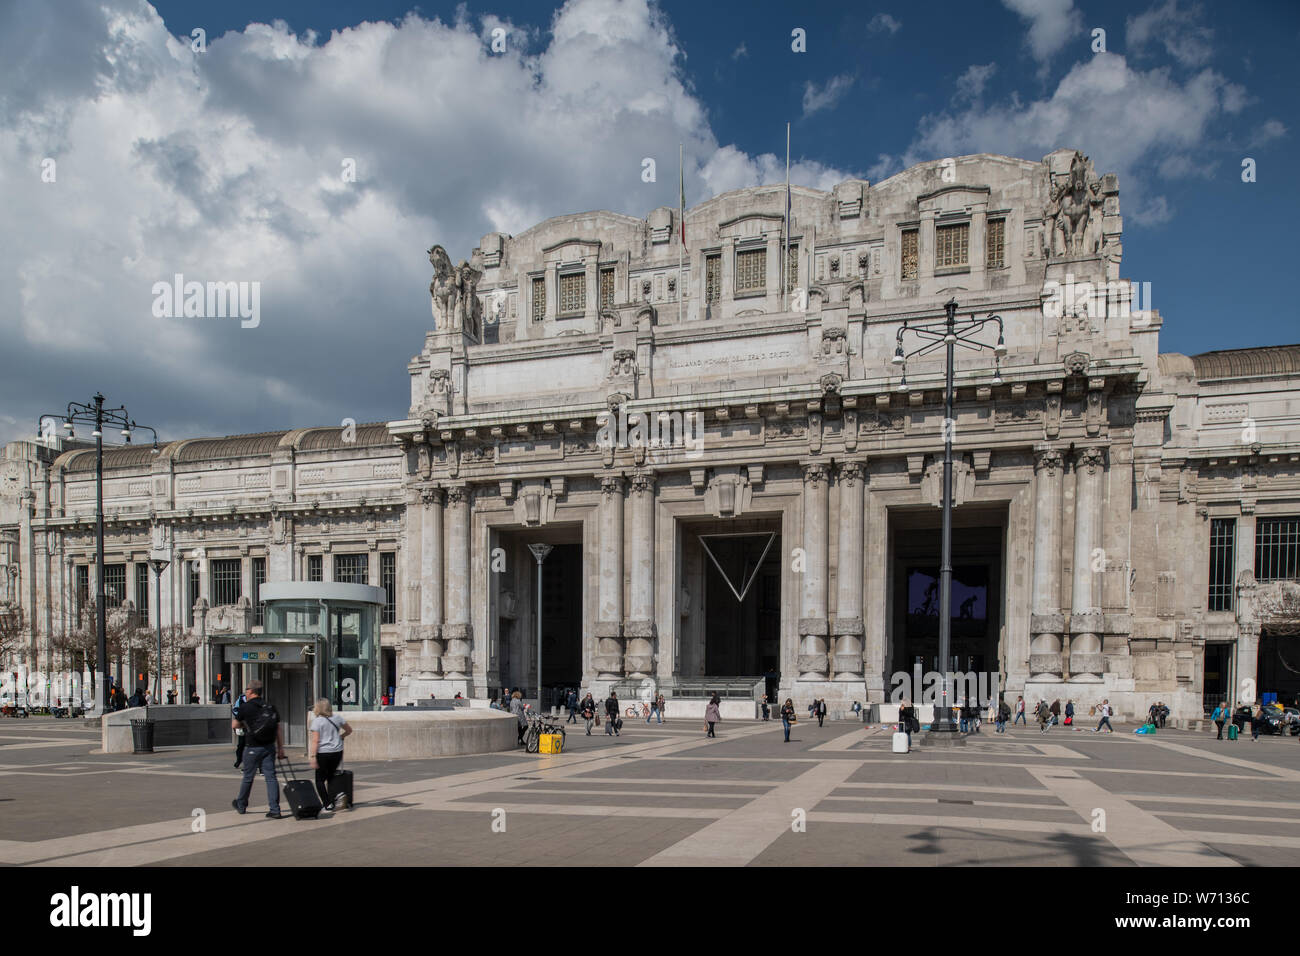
611 712
573 706
821 710
261 724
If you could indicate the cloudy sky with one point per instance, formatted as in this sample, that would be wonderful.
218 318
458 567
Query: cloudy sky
128 156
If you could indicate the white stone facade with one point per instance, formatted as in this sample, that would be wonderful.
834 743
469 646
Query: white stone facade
1095 465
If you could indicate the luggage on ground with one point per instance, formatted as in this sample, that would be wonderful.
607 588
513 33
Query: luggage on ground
1232 731
900 743
301 795
340 789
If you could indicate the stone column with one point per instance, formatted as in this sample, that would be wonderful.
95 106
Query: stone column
1246 690
813 662
457 631
1086 662
608 660
1046 622
640 626
431 584
847 659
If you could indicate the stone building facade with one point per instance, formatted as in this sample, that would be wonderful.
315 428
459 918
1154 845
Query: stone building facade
735 481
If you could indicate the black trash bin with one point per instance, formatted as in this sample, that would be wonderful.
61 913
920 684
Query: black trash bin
142 735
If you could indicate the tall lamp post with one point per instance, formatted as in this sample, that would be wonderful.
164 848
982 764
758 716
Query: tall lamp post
949 334
540 551
159 564
94 413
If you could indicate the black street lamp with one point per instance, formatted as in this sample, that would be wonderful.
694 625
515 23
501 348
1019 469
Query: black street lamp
159 564
96 414
949 334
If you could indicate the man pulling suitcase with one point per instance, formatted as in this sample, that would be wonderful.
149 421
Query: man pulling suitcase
261 724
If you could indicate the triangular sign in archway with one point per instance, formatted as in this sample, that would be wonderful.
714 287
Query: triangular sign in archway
748 583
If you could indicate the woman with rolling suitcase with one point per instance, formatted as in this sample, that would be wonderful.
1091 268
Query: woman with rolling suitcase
326 752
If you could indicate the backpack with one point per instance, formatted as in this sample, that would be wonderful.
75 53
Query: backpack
264 726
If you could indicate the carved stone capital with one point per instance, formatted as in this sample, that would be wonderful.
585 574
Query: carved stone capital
611 485
1049 459
642 482
457 495
814 472
1090 460
851 473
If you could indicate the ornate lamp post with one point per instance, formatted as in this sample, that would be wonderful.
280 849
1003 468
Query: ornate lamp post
949 334
159 562
94 413
540 551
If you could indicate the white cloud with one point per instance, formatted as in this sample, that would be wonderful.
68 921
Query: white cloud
740 51
1052 24
970 85
1267 132
1181 33
825 97
729 168
226 165
882 22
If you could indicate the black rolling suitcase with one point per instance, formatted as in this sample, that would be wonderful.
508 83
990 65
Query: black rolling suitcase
340 789
304 802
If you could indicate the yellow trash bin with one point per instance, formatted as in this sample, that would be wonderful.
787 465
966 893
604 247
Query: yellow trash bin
550 744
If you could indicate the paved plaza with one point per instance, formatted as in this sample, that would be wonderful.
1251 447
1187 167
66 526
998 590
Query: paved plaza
664 795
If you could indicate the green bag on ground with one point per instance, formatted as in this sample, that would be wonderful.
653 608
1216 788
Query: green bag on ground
1232 731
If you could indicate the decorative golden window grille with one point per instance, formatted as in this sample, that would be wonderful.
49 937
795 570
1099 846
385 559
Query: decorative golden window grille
909 254
950 245
573 293
712 278
792 267
606 288
995 240
751 270
539 299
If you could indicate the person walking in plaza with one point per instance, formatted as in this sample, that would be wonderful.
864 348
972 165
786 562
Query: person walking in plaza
325 747
821 710
611 714
1220 717
588 712
1004 714
261 723
194 696
1020 712
654 709
241 738
517 708
1056 712
223 695
1044 715
787 717
767 711
906 714
1069 713
712 714
573 706
1104 711
1256 721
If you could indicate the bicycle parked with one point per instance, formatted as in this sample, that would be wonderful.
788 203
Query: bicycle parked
635 712
538 725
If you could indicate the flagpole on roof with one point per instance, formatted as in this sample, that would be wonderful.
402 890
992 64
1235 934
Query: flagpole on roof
681 218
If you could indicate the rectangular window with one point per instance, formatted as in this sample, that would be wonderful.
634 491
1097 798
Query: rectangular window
192 595
573 293
1223 546
259 578
388 581
142 592
539 299
114 585
83 590
1277 549
314 568
225 584
792 267
995 241
352 568
606 288
712 278
909 254
751 271
950 245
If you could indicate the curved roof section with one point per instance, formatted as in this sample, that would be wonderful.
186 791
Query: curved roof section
1175 363
231 446
321 439
1257 362
132 456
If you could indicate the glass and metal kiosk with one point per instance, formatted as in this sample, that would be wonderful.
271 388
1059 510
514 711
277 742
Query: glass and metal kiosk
321 639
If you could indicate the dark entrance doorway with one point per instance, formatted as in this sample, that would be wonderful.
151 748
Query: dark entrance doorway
561 617
977 592
1279 667
1218 674
742 606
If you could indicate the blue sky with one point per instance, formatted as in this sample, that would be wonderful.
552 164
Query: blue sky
226 163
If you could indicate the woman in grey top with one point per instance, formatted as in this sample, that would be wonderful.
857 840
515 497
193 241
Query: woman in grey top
326 746
517 708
